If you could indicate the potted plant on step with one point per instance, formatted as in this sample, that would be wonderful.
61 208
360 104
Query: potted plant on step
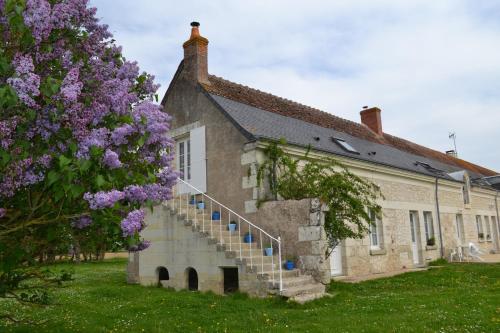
192 200
248 238
201 205
216 215
290 263
268 249
232 226
431 241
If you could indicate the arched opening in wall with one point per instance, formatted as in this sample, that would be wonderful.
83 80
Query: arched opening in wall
192 277
162 274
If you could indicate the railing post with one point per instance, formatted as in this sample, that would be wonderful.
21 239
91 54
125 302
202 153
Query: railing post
203 212
279 259
211 220
220 226
239 235
251 240
230 235
272 262
261 253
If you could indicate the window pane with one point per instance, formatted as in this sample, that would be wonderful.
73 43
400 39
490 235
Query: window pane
189 159
429 224
181 159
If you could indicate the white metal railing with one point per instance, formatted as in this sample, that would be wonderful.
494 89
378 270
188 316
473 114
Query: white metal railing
182 201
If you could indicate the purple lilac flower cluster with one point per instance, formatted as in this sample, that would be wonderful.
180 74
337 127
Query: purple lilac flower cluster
25 82
18 175
133 223
103 199
82 222
111 159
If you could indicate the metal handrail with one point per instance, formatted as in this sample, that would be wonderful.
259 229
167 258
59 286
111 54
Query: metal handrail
230 210
240 218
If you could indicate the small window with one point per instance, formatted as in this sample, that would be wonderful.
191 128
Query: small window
344 145
429 226
479 226
488 229
375 231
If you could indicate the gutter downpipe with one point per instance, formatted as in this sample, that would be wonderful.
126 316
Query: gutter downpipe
441 248
497 226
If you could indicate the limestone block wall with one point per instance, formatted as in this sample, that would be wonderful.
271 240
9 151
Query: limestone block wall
300 224
177 247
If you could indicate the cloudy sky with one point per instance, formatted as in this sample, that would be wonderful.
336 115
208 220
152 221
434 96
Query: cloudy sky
433 67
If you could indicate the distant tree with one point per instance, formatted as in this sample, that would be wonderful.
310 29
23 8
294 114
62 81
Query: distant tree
349 198
83 146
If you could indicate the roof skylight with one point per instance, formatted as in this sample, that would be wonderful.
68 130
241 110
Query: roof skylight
345 145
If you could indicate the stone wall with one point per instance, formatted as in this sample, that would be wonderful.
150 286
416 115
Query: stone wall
177 247
300 224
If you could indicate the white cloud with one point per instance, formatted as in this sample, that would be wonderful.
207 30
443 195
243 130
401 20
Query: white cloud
432 66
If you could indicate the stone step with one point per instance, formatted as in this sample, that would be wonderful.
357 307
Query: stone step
310 288
295 281
303 298
284 273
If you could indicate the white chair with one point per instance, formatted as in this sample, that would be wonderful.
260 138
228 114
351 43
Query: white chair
457 253
475 252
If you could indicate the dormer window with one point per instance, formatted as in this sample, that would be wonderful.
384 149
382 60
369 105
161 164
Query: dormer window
345 145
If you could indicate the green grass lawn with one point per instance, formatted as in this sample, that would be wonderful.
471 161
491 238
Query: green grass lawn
454 298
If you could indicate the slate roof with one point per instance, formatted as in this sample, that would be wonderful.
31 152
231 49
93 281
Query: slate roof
267 116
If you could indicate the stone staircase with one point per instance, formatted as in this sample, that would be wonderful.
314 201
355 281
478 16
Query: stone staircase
249 257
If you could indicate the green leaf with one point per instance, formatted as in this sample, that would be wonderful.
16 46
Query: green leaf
77 191
63 161
141 141
85 165
100 181
52 177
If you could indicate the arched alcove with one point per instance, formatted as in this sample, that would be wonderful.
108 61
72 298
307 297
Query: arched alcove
162 274
192 278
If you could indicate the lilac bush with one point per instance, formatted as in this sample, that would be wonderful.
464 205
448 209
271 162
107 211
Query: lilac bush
82 142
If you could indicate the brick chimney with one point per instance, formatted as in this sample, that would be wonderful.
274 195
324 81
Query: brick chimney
195 55
371 118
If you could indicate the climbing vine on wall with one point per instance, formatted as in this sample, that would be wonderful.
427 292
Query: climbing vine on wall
349 197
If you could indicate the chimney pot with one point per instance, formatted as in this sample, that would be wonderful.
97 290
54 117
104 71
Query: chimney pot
372 119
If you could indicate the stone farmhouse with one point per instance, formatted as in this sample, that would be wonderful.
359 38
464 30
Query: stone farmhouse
433 204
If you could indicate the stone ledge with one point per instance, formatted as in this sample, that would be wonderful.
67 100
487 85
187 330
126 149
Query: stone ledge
377 252
430 247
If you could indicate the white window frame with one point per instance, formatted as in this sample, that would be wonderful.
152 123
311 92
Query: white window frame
479 227
184 161
488 237
429 225
375 234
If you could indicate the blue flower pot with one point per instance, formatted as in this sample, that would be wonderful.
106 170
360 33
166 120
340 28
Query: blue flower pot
248 238
269 251
192 201
216 216
289 265
231 227
201 205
